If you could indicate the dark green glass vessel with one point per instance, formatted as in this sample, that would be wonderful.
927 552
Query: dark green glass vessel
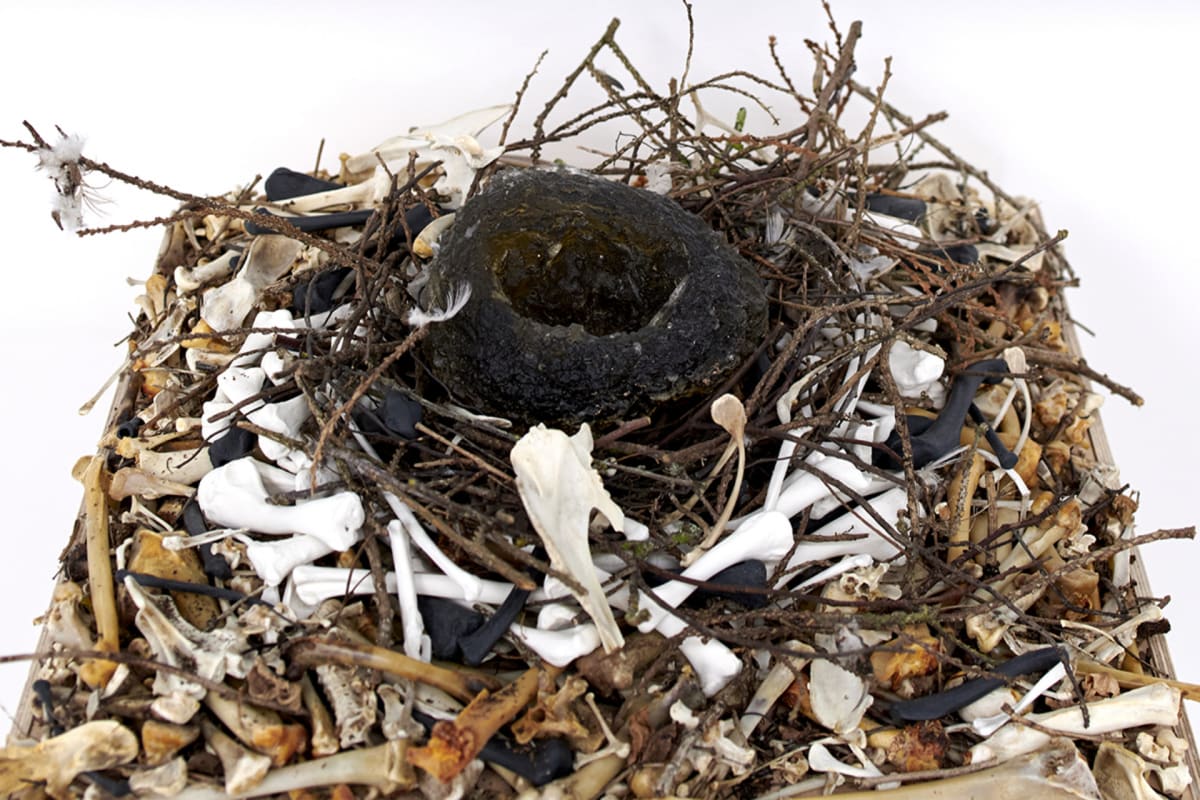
589 300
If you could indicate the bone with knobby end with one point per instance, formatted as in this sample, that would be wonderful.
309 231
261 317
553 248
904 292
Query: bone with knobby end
242 768
559 489
56 761
728 412
276 559
314 584
877 543
234 495
453 745
383 767
1157 704
189 279
268 259
1122 774
165 780
324 739
260 729
558 647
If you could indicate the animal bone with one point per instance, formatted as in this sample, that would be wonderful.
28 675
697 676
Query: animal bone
1156 704
384 767
56 761
560 488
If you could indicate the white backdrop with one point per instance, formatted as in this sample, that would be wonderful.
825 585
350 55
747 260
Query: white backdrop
1087 106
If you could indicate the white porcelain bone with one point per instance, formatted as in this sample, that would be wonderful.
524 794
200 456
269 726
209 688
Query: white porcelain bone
472 123
559 489
915 371
766 536
276 559
315 584
877 543
560 647
235 496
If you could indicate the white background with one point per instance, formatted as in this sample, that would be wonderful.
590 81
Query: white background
1087 106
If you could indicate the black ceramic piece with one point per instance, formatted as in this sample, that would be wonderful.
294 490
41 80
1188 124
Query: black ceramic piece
114 787
416 218
235 443
1006 457
941 436
45 697
544 761
909 208
130 427
476 645
447 623
751 574
194 523
958 253
313 222
171 585
936 706
284 184
588 299
397 415
316 296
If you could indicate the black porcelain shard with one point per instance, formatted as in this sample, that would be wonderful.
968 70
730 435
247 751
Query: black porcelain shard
311 223
284 184
909 208
588 299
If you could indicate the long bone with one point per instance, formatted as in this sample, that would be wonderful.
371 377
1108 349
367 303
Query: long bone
235 496
877 543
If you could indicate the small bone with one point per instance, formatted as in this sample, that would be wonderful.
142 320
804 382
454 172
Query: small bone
190 279
235 496
561 647
1056 772
133 482
243 769
728 412
472 123
260 729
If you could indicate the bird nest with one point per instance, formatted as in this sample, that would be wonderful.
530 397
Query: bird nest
879 548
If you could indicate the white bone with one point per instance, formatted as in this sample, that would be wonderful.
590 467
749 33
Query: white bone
560 647
268 259
235 496
559 489
915 371
877 543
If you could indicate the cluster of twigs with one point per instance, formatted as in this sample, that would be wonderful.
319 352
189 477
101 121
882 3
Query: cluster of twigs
795 204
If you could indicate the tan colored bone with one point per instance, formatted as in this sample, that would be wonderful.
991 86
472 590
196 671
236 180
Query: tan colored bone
100 576
56 761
